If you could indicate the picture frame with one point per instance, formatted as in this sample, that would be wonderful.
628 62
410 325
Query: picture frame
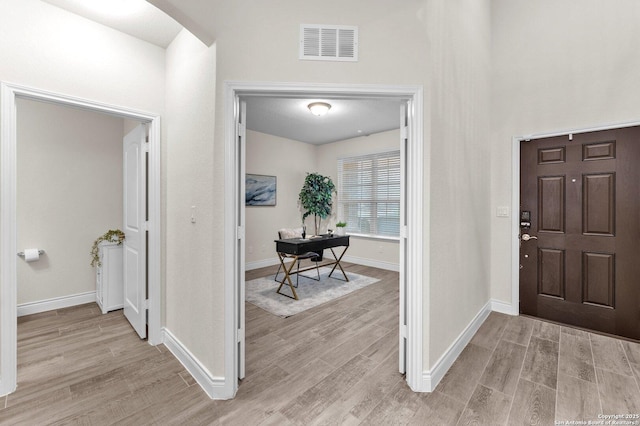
260 190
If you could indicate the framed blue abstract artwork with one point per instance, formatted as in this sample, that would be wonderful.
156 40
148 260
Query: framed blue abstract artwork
260 190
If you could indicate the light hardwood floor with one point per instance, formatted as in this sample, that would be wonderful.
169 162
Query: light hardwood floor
334 364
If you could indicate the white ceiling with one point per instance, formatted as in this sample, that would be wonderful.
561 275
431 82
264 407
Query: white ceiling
285 117
348 118
143 21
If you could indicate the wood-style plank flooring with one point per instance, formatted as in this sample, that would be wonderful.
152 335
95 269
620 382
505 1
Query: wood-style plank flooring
334 364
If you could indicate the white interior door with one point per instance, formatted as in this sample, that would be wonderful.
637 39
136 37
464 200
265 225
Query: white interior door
135 224
404 139
242 145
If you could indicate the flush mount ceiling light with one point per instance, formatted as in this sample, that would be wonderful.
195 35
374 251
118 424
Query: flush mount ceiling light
319 108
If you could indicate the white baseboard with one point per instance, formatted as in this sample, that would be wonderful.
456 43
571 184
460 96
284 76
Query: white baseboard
431 378
56 303
213 386
249 266
502 307
388 266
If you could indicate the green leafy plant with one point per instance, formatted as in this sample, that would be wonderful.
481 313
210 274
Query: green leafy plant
113 236
316 198
341 224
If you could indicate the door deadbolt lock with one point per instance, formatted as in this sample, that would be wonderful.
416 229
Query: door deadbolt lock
527 237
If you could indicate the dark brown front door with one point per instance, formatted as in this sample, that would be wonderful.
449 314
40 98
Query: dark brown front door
583 196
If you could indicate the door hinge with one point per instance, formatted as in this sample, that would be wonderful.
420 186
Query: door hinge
403 231
240 335
145 146
242 130
403 331
145 304
239 233
404 132
145 225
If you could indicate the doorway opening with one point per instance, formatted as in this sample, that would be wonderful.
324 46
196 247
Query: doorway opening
411 263
283 139
8 224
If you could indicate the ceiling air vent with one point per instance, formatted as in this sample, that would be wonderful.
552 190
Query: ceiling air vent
328 42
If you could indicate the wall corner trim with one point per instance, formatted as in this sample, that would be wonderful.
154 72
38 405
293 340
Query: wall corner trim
503 307
214 387
431 378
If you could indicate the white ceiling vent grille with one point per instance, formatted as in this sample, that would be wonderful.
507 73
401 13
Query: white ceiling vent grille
328 42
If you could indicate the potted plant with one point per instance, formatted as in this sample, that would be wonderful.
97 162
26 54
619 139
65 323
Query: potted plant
340 228
315 197
113 236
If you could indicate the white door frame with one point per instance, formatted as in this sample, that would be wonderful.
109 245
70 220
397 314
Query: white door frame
515 199
8 228
416 214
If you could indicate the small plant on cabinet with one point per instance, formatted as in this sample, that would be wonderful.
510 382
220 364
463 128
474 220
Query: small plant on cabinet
112 236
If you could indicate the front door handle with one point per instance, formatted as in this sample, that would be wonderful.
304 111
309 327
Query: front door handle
527 237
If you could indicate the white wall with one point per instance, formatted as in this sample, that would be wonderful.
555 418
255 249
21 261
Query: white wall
368 250
442 45
193 274
248 49
459 46
289 161
557 65
69 193
46 47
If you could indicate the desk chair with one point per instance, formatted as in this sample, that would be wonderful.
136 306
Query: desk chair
286 233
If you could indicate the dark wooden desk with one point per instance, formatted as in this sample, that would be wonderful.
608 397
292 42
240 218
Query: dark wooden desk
294 247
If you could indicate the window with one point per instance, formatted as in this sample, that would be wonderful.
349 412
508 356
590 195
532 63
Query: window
369 194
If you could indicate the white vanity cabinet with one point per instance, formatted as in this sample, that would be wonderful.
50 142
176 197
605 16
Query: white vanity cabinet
109 277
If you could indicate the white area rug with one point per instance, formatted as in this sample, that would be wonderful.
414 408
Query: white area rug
262 291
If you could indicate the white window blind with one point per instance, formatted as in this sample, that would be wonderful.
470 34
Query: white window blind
369 193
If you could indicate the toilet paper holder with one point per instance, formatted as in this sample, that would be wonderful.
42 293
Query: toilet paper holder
21 253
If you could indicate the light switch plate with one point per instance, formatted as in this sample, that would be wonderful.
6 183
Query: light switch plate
502 211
